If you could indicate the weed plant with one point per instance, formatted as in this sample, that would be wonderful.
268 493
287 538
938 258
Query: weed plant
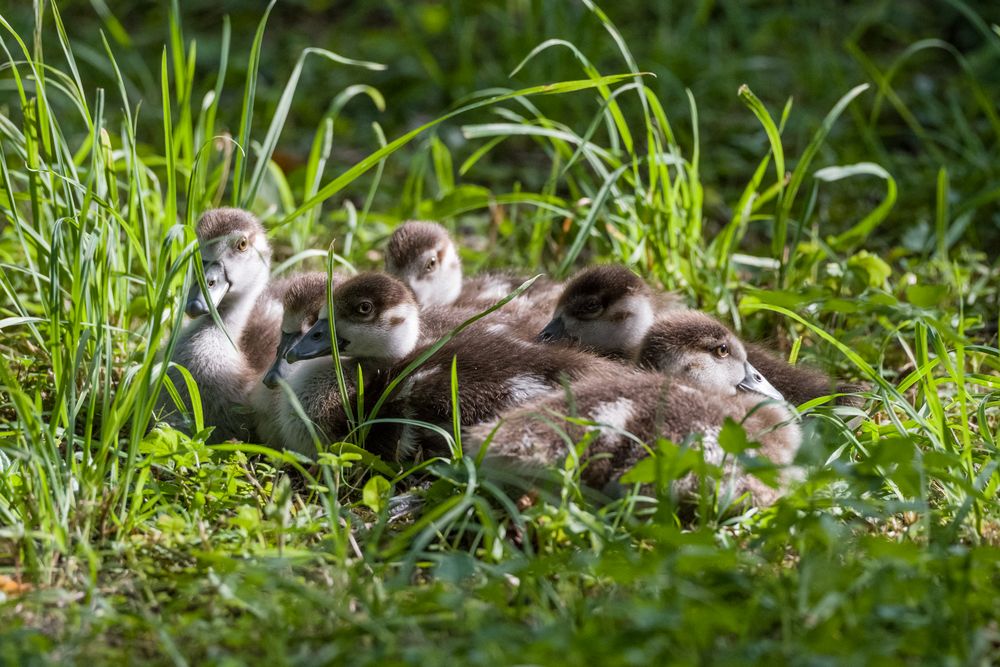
118 542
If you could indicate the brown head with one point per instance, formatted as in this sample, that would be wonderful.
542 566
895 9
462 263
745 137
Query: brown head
377 318
606 308
236 257
422 255
301 301
699 350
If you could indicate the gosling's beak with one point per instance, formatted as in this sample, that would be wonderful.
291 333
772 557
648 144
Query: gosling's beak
218 286
316 343
279 369
196 303
754 380
553 331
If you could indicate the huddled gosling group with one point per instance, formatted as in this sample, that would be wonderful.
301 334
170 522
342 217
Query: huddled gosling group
604 360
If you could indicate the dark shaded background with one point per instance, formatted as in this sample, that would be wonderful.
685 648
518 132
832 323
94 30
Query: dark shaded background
439 52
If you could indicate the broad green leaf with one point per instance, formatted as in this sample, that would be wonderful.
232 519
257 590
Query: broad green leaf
874 268
375 495
926 296
733 438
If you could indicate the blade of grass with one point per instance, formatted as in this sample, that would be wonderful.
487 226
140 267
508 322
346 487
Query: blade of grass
246 118
367 163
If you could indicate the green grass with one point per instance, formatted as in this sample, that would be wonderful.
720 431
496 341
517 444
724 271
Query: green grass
852 244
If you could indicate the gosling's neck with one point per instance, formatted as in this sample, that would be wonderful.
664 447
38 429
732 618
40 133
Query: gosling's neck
234 313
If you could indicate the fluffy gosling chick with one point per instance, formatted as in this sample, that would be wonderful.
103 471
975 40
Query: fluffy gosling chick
607 309
236 257
301 297
423 255
701 377
610 309
379 325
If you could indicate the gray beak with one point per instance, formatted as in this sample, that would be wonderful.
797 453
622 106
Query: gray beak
279 369
218 286
316 343
553 331
196 303
753 380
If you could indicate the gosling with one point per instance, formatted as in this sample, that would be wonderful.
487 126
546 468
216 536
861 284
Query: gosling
236 256
609 309
696 374
423 255
301 297
379 325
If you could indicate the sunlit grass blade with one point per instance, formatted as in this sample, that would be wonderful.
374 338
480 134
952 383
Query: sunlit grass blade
859 232
246 118
281 114
367 163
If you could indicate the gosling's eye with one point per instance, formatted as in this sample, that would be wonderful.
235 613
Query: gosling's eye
722 351
243 244
365 308
430 265
590 308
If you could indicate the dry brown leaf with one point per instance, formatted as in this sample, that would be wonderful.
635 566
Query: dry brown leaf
9 586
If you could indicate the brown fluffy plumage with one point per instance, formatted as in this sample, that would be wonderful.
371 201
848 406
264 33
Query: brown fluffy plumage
589 311
263 330
621 412
600 285
667 341
797 384
305 293
220 222
485 289
598 288
494 372
380 289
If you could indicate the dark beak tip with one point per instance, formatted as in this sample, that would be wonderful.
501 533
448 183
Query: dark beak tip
553 331
195 308
274 374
